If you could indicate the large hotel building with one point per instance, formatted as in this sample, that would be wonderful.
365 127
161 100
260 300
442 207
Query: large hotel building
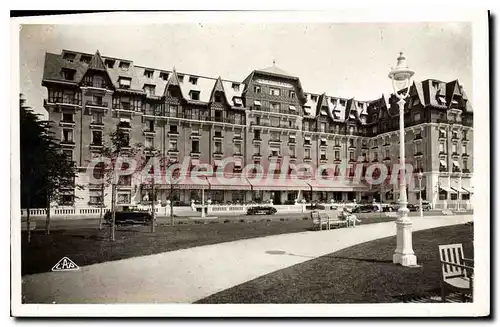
265 118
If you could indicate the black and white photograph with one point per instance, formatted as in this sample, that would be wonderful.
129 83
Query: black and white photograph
338 160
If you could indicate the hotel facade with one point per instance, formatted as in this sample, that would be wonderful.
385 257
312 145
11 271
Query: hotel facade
267 118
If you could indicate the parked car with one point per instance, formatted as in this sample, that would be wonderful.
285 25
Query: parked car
426 206
261 210
364 208
129 215
412 207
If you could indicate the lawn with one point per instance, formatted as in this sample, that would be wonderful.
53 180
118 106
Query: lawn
86 246
363 273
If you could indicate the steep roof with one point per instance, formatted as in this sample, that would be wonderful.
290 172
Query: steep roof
274 70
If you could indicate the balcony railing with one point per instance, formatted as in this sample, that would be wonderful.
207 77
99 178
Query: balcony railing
96 104
466 171
442 153
67 142
443 169
465 155
418 154
77 102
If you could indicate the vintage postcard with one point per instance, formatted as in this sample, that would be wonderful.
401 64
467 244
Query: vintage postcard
251 163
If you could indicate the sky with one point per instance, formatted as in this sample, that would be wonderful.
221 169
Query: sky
344 60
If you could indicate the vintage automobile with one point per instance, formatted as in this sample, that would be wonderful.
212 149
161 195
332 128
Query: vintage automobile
426 206
364 208
129 216
261 210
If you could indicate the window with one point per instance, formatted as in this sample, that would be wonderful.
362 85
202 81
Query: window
337 155
95 199
67 135
454 148
124 65
69 56
235 86
237 134
96 137
172 145
217 147
256 88
109 63
149 89
67 117
275 107
322 154
195 95
274 91
375 156
195 146
149 141
193 80
443 195
291 94
351 156
85 59
291 151
180 78
68 74
217 98
441 147
464 149
172 110
123 198
148 73
464 135
218 133
256 135
464 165
173 129
337 142
307 153
307 140
314 98
454 196
97 117
125 82
237 148
256 149
416 117
66 199
322 127
164 76
454 134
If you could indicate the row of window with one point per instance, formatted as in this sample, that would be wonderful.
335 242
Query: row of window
275 91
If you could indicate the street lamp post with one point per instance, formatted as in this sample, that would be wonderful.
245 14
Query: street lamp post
401 76
420 175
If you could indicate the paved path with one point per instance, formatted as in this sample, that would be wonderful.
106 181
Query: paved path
185 276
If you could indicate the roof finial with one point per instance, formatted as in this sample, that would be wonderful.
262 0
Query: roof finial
174 68
274 62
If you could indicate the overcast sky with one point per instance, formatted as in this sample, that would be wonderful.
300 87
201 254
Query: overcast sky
345 60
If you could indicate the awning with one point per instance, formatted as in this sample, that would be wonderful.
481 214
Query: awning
456 190
468 189
447 189
308 138
257 103
455 163
307 109
125 81
418 190
335 185
442 162
228 183
292 108
187 183
278 184
292 136
238 101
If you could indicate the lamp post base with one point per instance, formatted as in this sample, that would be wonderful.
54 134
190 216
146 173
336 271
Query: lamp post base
404 254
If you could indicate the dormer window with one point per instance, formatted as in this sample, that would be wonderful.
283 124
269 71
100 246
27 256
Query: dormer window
68 74
238 102
291 94
164 76
314 98
110 63
148 73
193 80
69 56
124 65
124 82
274 91
441 98
256 89
435 84
85 59
195 95
235 86
181 78
149 89
324 110
217 98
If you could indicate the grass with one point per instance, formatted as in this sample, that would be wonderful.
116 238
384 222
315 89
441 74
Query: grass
363 273
86 246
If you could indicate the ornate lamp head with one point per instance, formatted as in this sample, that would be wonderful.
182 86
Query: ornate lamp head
401 75
420 175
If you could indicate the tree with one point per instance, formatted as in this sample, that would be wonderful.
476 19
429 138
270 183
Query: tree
45 169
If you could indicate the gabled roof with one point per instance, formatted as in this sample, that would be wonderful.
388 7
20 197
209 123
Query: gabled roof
96 62
274 70
173 80
218 87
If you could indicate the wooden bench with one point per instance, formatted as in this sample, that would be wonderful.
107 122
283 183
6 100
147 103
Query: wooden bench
456 276
327 219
